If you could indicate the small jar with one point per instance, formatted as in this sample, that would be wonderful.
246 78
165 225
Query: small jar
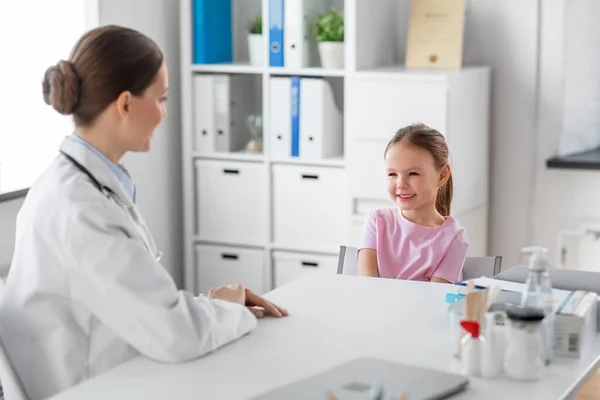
524 358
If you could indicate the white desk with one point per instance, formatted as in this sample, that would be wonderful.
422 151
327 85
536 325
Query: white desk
332 319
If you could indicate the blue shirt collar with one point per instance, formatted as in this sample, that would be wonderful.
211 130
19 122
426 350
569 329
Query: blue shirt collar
117 169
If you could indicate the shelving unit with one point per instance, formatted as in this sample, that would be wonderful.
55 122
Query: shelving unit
239 68
309 207
308 71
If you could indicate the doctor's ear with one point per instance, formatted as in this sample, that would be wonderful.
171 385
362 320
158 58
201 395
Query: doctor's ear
123 103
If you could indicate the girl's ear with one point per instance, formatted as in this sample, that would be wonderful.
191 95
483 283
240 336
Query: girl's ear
444 175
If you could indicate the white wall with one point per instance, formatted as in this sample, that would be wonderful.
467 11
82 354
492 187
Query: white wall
504 35
566 197
157 174
581 65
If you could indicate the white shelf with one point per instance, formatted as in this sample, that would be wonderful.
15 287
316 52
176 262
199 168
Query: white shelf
332 162
431 74
229 156
309 71
246 68
199 240
235 68
280 247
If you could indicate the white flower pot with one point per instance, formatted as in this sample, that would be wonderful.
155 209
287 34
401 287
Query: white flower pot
256 49
332 55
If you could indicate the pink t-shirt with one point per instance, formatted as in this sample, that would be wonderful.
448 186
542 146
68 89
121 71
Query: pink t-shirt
409 251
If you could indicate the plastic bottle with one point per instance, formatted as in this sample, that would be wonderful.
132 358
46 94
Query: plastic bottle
538 294
524 358
472 345
490 363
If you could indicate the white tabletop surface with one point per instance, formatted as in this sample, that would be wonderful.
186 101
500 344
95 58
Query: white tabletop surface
333 319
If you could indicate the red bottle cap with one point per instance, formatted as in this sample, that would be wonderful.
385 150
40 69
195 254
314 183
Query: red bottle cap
472 327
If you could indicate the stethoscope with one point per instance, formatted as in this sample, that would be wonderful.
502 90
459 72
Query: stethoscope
144 232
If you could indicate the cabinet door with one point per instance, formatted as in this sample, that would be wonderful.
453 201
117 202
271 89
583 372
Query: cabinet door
221 265
310 207
378 107
366 169
231 202
288 266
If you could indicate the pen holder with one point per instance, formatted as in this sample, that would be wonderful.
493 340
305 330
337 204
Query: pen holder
496 313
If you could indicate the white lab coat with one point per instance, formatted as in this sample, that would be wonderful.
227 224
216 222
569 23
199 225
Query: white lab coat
84 293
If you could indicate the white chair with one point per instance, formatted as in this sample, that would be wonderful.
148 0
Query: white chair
11 384
474 267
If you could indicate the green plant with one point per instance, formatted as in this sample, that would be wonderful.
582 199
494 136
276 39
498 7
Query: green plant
330 27
256 25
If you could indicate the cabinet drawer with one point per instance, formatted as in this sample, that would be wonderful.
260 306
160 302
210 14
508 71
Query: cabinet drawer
224 265
231 202
288 266
310 207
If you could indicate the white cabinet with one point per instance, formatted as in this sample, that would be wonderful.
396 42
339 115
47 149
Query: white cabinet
309 207
366 169
288 266
231 202
380 105
223 265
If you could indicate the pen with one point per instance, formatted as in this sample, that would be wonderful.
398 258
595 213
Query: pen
465 284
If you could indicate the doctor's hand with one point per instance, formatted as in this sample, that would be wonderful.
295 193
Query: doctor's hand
259 306
231 293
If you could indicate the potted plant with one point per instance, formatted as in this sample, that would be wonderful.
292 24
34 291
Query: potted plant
255 41
330 36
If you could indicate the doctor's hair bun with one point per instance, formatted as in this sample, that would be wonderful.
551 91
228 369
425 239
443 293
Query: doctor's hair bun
61 87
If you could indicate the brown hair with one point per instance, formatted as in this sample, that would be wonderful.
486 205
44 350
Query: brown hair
105 62
427 138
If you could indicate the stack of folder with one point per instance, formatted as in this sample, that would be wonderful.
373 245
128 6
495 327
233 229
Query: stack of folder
291 37
304 120
221 105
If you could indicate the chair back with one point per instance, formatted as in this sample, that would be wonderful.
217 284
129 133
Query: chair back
474 267
11 384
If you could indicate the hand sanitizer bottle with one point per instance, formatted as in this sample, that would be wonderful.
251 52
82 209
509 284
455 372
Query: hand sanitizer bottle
538 294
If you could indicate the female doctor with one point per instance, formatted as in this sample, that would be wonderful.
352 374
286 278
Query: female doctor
86 290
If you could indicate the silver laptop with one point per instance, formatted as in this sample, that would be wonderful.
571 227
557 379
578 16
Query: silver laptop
362 378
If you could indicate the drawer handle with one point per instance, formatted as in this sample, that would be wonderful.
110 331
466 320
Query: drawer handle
226 256
308 176
310 264
231 171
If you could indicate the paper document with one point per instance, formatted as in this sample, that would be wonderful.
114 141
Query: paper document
558 295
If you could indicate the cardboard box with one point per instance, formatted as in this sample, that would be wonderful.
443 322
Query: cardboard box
575 324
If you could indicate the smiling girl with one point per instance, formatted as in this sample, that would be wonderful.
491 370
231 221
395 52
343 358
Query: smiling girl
418 239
